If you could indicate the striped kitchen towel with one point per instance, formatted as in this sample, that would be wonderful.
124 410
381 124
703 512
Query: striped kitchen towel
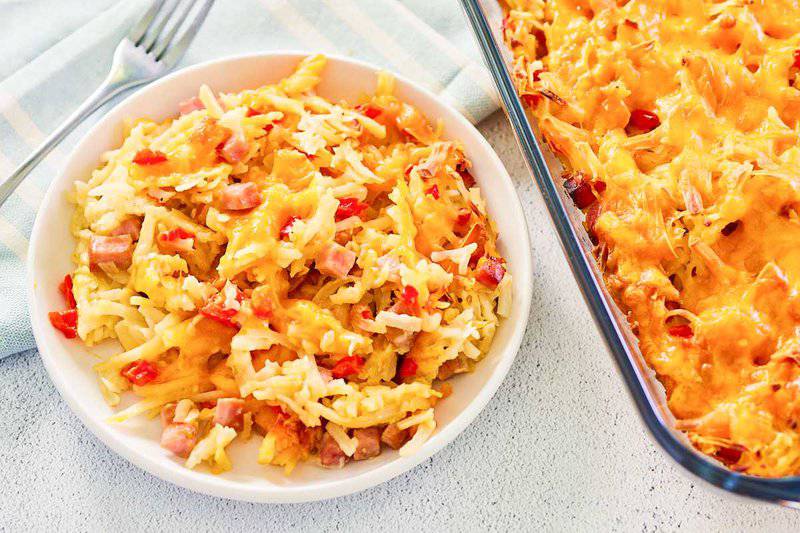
56 52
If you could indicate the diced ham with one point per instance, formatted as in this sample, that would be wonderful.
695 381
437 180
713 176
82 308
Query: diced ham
235 148
117 249
368 443
335 260
330 454
168 414
130 226
230 413
240 196
179 438
394 437
192 104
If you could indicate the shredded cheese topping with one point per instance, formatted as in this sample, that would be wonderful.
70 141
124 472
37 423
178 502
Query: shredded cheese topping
678 123
266 261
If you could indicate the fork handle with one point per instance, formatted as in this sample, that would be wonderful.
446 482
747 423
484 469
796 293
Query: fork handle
110 87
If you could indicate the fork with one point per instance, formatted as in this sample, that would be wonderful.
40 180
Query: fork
148 51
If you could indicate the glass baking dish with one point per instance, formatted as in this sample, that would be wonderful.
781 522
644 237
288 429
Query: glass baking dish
485 17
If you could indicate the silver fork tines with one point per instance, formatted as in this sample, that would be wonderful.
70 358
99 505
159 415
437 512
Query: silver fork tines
158 27
148 51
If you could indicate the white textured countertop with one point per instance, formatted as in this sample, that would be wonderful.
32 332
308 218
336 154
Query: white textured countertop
559 447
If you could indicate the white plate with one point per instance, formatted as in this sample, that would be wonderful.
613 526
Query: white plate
69 363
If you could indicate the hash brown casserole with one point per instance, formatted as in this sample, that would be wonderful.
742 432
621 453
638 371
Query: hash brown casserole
273 263
678 123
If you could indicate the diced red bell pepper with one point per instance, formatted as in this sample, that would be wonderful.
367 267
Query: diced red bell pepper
262 308
644 120
729 455
176 240
262 313
65 288
478 236
287 226
369 110
218 309
433 191
347 366
463 216
579 190
683 330
537 74
66 322
531 100
796 63
149 157
407 368
366 314
252 112
409 302
490 271
278 411
140 372
220 314
349 207
175 234
268 127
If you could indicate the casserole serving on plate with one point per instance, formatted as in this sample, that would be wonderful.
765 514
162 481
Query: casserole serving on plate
676 125
72 366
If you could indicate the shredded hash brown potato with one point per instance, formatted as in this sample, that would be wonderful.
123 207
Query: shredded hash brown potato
678 123
277 264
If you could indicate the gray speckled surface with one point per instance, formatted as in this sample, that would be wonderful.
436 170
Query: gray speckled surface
559 447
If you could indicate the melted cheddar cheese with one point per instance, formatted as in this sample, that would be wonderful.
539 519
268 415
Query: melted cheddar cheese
678 122
272 262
